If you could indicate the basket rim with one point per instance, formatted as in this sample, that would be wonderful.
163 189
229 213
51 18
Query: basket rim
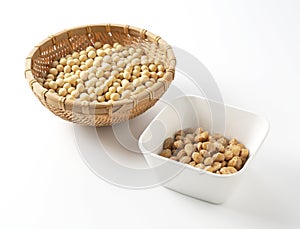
76 106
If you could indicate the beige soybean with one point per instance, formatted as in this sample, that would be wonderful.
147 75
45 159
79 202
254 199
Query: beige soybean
204 153
228 170
219 157
178 144
235 162
62 92
193 163
200 166
197 157
115 96
208 161
185 159
235 150
214 167
228 155
244 153
189 148
181 154
168 143
166 153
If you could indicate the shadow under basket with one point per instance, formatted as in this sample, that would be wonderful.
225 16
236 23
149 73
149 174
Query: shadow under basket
63 43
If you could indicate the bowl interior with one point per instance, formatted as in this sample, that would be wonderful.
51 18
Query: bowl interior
193 111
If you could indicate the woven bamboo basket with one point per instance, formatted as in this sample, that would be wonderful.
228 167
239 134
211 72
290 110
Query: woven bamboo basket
54 47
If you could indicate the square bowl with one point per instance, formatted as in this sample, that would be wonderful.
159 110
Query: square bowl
193 111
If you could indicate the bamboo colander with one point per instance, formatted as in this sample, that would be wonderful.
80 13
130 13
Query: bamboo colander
54 47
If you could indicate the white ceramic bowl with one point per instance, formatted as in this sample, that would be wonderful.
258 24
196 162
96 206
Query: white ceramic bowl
193 111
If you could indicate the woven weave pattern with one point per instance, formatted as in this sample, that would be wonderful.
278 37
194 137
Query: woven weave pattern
101 114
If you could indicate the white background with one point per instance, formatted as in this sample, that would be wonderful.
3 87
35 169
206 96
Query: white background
252 49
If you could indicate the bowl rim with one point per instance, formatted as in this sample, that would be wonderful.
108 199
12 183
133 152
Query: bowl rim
187 166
